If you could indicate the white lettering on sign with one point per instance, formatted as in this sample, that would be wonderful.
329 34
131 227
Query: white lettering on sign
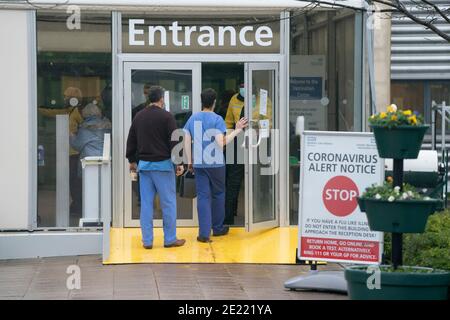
331 225
132 32
344 195
206 37
231 31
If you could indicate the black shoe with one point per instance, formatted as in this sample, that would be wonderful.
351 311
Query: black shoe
177 243
148 247
224 231
205 240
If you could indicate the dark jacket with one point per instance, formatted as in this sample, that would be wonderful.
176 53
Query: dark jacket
150 135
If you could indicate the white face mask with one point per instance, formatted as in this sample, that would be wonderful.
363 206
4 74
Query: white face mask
242 92
73 102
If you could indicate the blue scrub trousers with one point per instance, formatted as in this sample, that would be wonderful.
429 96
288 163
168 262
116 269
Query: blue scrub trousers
163 183
210 186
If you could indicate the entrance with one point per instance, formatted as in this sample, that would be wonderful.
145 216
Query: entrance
257 206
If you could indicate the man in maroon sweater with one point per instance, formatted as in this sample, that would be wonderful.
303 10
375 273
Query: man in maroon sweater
149 140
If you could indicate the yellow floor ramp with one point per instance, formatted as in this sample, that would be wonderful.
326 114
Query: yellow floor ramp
275 246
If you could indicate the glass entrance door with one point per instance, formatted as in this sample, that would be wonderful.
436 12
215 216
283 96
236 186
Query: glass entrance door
262 144
182 84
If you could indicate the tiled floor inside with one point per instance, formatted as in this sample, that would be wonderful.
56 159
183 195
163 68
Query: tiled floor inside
46 279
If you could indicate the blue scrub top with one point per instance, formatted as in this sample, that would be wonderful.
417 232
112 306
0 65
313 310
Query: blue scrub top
203 126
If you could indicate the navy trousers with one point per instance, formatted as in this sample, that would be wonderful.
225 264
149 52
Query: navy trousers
210 186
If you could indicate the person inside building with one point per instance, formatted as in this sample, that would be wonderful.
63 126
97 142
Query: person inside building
208 163
235 170
72 105
88 140
224 103
141 106
149 140
106 98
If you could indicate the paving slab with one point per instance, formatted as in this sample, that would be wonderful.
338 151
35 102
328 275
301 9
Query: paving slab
47 279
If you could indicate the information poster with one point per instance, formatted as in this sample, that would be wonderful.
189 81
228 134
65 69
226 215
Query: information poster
307 93
336 167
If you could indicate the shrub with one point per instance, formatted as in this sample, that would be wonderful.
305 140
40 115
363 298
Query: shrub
428 249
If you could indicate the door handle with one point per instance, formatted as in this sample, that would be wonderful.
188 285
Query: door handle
246 144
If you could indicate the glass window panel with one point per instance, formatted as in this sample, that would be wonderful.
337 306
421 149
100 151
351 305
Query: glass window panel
74 92
408 95
321 81
440 93
263 182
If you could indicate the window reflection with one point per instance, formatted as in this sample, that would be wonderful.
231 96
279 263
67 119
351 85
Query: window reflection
74 110
321 81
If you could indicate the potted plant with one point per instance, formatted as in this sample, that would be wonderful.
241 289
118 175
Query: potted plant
390 210
398 133
397 208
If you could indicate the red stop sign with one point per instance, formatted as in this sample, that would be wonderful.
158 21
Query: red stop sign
339 196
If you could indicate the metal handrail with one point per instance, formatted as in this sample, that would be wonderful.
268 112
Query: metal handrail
444 112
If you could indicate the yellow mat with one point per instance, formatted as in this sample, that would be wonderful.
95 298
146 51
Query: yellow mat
275 246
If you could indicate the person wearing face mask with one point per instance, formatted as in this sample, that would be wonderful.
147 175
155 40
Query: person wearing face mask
235 170
72 104
207 131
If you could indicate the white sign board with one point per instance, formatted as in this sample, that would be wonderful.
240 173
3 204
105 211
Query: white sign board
167 100
263 102
336 167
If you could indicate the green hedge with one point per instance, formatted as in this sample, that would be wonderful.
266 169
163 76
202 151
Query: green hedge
429 249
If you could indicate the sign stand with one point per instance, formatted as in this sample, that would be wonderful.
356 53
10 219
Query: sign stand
329 281
328 243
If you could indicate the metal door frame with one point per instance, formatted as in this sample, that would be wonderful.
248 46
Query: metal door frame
119 135
128 67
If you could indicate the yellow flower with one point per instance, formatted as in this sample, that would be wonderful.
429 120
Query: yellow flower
383 115
372 116
392 108
413 119
393 117
407 112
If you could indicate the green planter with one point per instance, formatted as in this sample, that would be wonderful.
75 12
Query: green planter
404 284
400 216
402 142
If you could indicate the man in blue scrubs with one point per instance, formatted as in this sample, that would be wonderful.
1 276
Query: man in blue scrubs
209 133
149 140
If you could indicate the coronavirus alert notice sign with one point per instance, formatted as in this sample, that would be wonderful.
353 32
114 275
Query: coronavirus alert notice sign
336 167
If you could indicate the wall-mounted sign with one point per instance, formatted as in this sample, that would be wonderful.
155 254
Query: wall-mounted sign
307 91
306 88
184 102
158 36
